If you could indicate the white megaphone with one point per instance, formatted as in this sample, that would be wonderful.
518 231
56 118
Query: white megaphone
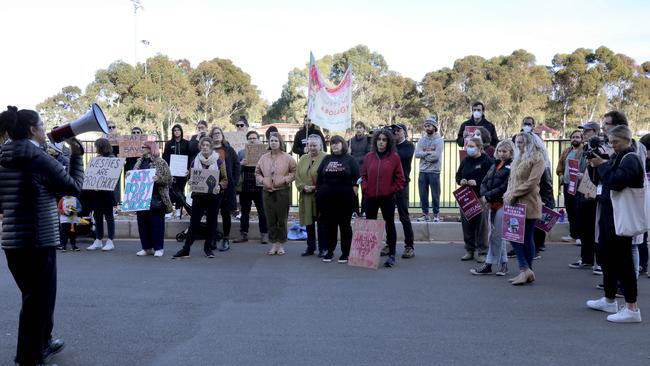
93 120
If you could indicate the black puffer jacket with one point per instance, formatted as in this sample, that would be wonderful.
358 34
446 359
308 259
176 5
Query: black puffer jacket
495 183
29 181
546 189
233 169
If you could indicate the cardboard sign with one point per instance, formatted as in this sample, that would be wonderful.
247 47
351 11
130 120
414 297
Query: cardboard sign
113 139
548 220
131 145
470 205
178 165
574 170
204 181
138 188
587 187
514 222
254 152
471 130
102 174
366 243
236 139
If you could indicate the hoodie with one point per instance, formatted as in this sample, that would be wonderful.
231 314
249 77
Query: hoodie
173 147
429 150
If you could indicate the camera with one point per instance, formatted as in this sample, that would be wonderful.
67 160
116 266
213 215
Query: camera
593 148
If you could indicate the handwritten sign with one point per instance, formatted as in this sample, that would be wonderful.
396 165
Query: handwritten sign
178 165
204 181
574 170
469 204
236 139
514 222
548 220
102 174
254 152
131 145
138 188
366 243
587 187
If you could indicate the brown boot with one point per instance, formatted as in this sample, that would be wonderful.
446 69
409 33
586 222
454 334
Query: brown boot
521 279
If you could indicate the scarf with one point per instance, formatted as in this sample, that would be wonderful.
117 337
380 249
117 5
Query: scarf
211 161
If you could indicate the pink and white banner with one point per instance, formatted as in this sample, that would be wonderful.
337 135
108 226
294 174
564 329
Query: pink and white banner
329 108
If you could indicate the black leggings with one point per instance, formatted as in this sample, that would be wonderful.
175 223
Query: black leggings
618 267
99 215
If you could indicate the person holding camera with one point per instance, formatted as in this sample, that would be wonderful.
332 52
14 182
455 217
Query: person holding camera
30 181
623 170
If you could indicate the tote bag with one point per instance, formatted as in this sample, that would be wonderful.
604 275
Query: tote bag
631 208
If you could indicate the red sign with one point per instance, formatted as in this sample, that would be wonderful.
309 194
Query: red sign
366 243
514 222
574 170
548 220
469 204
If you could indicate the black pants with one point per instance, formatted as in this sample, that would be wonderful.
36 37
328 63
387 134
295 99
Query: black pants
387 206
540 239
34 270
227 221
571 204
618 267
151 228
402 199
66 233
99 214
333 223
643 253
475 234
318 225
245 200
178 185
207 205
586 230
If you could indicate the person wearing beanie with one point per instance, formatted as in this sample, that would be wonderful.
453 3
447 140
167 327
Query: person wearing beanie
429 150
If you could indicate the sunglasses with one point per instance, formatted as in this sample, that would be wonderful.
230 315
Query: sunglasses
136 133
239 125
111 127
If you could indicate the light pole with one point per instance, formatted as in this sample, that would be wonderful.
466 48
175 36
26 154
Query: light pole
146 43
137 4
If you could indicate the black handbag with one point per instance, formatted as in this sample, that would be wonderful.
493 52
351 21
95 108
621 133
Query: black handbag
156 204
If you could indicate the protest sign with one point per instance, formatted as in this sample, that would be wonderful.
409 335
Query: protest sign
366 243
131 145
138 188
587 187
548 220
113 139
470 205
514 222
178 165
204 181
254 152
330 108
574 171
236 139
102 174
470 131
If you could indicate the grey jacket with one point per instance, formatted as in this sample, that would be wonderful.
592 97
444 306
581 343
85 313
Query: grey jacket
430 151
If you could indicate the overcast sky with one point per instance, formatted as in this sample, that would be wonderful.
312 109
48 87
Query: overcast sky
49 44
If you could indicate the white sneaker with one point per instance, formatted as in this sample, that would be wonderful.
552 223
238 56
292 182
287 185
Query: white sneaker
578 242
567 238
177 213
143 252
602 305
423 218
159 253
625 315
109 245
97 244
436 218
168 216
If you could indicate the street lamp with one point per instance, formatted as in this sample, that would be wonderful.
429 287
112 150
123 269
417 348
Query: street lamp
137 4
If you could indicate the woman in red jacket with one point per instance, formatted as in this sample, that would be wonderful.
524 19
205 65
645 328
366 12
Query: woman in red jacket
381 178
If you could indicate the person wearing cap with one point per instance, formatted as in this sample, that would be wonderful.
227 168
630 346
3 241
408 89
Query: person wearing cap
405 150
477 119
429 150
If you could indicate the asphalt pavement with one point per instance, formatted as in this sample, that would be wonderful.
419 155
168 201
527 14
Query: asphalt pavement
246 308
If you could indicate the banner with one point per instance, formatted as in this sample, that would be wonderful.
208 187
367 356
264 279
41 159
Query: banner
204 181
548 220
366 243
514 222
470 205
237 140
574 170
138 188
254 152
178 165
329 108
102 174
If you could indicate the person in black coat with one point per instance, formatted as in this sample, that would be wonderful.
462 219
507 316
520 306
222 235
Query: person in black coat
29 182
623 170
177 146
477 119
405 150
233 169
300 139
201 131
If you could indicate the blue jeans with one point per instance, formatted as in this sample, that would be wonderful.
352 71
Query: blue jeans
526 251
497 253
426 181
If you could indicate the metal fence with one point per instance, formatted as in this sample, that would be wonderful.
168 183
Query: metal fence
447 176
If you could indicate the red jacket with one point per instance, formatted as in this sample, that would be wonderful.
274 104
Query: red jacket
382 177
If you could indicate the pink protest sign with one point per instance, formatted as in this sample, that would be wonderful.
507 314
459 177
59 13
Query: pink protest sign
514 222
469 204
366 243
548 220
574 170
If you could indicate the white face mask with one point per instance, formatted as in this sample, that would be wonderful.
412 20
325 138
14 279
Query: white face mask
477 114
527 128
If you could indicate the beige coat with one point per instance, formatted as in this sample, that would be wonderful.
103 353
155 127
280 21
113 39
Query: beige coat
275 171
523 185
